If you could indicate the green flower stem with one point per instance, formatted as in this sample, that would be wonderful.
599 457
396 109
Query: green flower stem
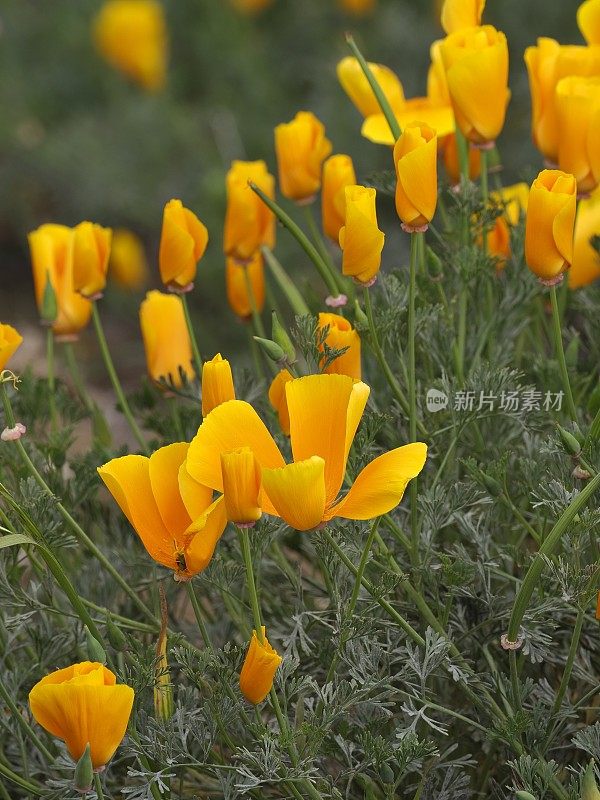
198 614
286 284
257 322
566 677
461 339
114 379
560 354
462 147
415 245
385 106
19 781
80 534
98 786
514 680
302 239
24 725
324 253
247 555
547 549
385 367
192 333
51 379
75 374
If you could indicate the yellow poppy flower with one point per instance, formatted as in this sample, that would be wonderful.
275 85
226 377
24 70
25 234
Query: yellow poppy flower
51 249
338 172
452 162
358 89
360 238
80 704
278 399
586 261
237 276
217 383
132 36
301 147
578 111
249 224
341 335
259 668
182 244
550 224
588 19
476 63
128 266
415 157
515 200
459 14
91 250
241 486
166 337
174 516
10 341
324 411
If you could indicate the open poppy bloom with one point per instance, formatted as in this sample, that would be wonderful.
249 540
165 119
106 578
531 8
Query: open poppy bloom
176 518
324 411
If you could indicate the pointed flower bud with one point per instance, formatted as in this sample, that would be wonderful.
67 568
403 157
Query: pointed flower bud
217 383
84 772
271 349
241 486
360 238
589 788
49 305
115 635
281 337
94 648
258 671
301 146
415 158
182 244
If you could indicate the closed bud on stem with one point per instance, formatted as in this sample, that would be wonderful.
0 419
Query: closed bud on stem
434 264
589 788
281 337
272 350
49 306
115 636
525 796
569 441
492 485
95 650
84 772
361 321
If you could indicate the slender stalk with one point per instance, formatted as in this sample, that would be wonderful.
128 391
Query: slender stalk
114 378
560 354
385 367
514 680
192 333
75 374
98 786
320 245
80 534
51 379
198 614
412 390
286 284
461 339
259 328
302 239
24 725
19 781
247 555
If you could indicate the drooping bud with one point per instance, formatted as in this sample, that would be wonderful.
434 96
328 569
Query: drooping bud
281 337
84 772
570 443
272 350
94 648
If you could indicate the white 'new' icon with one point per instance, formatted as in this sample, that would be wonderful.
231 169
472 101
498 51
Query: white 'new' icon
436 400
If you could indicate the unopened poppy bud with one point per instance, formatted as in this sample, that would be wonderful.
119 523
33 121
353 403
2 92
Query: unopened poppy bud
49 307
183 242
386 773
217 383
521 795
258 671
415 158
84 772
241 486
570 443
360 237
434 264
163 689
94 648
281 337
589 788
301 147
115 636
492 485
361 321
271 349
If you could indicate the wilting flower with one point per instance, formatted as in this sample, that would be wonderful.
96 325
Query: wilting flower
249 224
547 63
217 383
301 146
360 238
10 341
251 6
550 224
452 162
459 14
182 244
132 37
514 200
174 516
51 249
259 668
578 111
415 157
91 249
338 172
341 336
324 411
435 109
588 19
278 399
127 266
586 261
166 337
83 703
241 486
238 277
476 62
